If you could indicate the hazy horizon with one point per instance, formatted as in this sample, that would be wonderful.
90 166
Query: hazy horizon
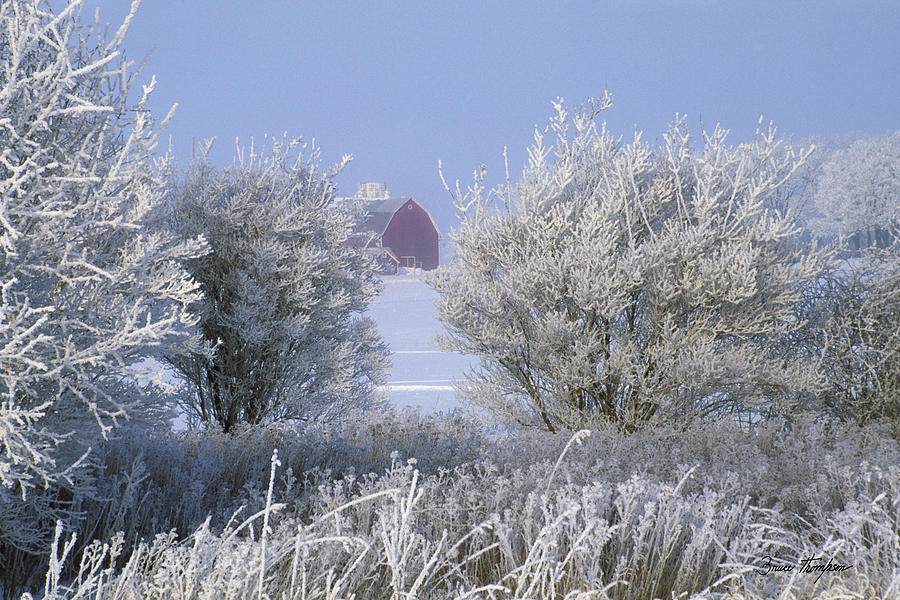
401 85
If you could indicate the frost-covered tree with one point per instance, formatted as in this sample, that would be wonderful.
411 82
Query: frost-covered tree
627 282
857 191
283 293
90 285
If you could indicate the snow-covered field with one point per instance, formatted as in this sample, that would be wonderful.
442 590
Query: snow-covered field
421 374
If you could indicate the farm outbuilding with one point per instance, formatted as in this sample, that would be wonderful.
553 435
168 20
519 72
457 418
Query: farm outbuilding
387 263
400 226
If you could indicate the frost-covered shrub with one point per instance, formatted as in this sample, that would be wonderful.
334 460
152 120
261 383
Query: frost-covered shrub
628 282
436 440
857 191
283 293
857 327
90 284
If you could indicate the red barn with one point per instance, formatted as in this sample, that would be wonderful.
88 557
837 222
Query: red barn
405 230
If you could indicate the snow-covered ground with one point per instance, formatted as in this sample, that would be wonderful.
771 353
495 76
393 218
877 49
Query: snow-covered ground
421 374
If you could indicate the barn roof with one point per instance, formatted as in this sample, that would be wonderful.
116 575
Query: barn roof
380 213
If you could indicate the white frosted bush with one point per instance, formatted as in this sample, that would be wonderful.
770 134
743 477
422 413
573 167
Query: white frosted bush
629 282
90 284
858 329
857 191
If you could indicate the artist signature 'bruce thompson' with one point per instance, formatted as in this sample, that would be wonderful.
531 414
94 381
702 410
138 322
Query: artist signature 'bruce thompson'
810 565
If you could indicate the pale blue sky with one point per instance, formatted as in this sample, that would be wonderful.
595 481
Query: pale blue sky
402 84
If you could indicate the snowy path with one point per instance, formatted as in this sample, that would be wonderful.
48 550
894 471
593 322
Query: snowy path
421 375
